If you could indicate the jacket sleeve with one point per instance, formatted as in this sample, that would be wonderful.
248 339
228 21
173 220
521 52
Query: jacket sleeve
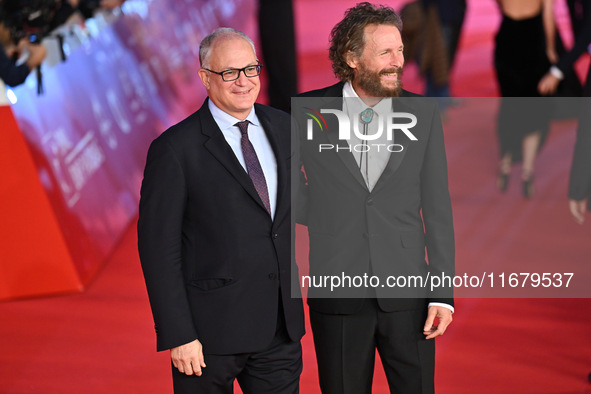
11 74
437 211
580 174
162 206
567 60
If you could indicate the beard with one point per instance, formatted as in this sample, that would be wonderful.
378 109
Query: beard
371 82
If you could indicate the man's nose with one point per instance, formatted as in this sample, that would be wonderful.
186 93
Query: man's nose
242 78
397 59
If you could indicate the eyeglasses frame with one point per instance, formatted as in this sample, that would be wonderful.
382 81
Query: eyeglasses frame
243 70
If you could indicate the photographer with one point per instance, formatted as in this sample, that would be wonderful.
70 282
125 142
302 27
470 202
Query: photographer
11 73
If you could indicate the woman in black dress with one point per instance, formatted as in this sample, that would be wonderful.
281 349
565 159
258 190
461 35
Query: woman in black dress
523 53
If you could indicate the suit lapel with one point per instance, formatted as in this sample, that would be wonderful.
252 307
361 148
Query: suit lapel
271 130
333 96
222 152
343 151
346 156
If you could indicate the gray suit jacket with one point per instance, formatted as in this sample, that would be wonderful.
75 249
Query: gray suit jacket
383 232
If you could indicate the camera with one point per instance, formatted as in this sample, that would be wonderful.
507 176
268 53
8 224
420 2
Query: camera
28 18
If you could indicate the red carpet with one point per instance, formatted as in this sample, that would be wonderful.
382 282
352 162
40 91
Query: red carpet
102 341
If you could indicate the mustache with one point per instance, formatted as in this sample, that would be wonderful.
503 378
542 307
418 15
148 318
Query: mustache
397 70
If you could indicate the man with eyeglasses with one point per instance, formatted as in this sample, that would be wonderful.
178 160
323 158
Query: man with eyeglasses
214 234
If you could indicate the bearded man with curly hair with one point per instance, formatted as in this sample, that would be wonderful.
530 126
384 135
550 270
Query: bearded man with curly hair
375 213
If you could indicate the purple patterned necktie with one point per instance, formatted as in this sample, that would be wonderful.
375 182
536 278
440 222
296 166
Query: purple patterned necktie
253 166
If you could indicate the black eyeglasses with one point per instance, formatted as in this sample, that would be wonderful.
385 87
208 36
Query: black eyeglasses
233 74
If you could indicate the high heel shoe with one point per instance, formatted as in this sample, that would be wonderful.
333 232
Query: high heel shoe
504 172
528 187
503 181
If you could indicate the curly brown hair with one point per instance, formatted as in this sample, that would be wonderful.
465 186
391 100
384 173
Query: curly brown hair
348 34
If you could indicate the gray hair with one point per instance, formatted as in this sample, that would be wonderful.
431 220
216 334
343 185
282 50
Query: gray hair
222 32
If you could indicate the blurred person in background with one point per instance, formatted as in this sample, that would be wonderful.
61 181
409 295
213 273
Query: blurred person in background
524 50
65 9
580 175
89 7
579 191
431 34
27 54
549 83
277 35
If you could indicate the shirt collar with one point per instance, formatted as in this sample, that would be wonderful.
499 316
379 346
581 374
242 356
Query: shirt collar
385 105
348 90
225 120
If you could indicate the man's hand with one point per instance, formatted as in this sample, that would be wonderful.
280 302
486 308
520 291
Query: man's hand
37 53
188 358
548 84
443 315
577 209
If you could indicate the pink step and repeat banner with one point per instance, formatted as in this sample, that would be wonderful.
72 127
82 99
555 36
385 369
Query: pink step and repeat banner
90 130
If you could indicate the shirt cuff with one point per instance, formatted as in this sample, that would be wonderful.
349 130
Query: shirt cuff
556 72
451 308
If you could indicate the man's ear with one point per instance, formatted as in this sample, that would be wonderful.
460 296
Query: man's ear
352 60
204 77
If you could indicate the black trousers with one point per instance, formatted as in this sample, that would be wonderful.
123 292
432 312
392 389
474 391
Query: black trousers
274 370
346 344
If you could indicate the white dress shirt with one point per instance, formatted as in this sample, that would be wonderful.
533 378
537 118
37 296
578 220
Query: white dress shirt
377 159
259 141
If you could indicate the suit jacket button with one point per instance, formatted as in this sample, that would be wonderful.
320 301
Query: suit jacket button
272 275
275 235
369 201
